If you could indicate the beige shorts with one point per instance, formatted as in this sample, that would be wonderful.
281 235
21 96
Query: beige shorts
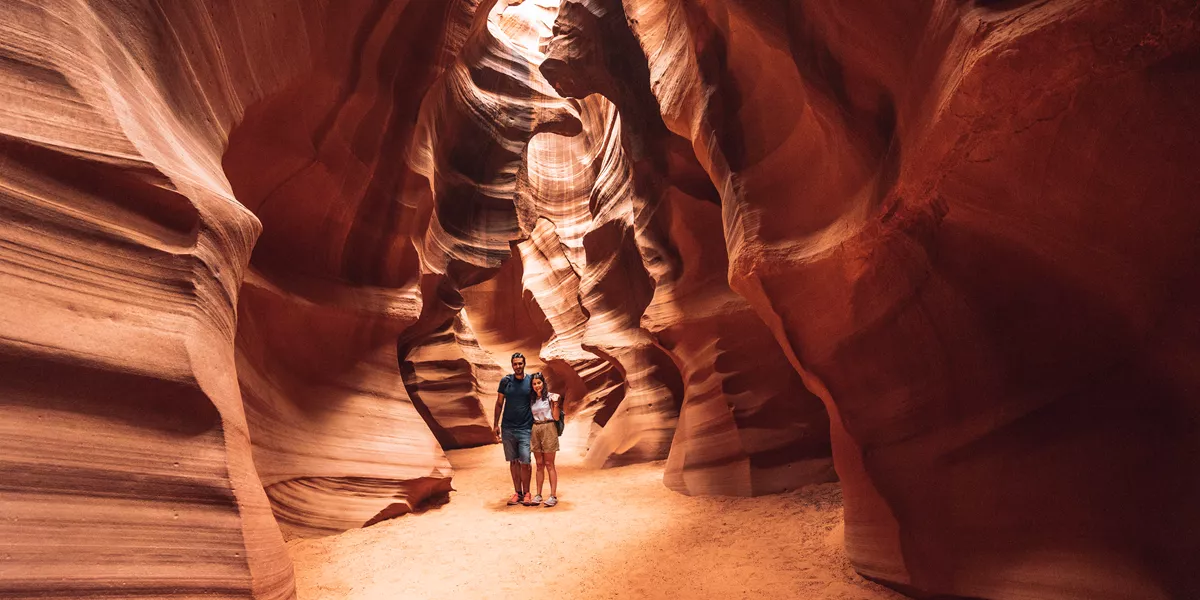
545 437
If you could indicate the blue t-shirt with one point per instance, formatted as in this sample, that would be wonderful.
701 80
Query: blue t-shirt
517 395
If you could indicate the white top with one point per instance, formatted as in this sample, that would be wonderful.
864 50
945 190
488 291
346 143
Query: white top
541 408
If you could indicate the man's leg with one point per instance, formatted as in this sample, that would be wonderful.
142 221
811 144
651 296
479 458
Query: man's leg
541 470
523 453
512 454
514 469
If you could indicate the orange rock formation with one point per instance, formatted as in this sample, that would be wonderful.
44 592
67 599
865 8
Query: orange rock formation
971 227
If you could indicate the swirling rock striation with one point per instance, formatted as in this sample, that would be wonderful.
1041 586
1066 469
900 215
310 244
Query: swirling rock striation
126 458
130 214
970 227
336 275
747 425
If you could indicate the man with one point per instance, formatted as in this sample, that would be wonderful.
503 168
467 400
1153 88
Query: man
513 400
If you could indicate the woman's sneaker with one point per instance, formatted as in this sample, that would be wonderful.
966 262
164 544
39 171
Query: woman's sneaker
537 500
551 502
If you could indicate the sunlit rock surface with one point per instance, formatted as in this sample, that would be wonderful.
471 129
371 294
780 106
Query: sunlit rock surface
568 273
130 215
737 388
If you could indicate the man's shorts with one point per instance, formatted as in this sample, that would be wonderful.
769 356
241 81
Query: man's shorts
516 444
545 437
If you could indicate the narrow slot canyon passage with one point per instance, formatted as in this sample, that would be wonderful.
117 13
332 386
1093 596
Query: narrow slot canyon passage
865 300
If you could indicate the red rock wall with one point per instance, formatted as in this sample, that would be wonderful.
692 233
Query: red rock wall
129 217
288 247
570 275
336 274
726 376
123 252
972 227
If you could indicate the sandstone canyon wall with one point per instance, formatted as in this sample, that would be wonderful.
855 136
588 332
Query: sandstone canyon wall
263 262
560 246
145 148
972 227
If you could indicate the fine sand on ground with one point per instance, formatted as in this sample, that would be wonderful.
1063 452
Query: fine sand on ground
617 533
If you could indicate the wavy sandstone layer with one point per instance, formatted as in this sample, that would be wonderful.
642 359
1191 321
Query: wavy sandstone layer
145 147
276 256
568 272
971 226
335 277
746 425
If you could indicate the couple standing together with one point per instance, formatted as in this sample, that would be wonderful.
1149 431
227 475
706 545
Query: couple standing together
530 415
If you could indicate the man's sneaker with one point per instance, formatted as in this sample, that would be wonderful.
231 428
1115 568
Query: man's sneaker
551 502
516 499
537 500
528 500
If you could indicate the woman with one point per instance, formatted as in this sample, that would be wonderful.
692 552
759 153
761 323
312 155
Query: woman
547 408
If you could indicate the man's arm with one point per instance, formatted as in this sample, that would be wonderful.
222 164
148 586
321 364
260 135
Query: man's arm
499 412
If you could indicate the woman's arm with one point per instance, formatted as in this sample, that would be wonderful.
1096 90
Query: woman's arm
556 407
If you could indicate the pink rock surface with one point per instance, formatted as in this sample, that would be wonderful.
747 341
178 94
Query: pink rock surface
336 274
130 217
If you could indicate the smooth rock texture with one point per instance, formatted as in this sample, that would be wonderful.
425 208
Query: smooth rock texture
336 274
567 272
449 379
336 441
125 455
747 424
972 228
129 220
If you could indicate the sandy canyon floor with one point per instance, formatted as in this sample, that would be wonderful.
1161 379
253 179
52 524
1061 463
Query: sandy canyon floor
617 533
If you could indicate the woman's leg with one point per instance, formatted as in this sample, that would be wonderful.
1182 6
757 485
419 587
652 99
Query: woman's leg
541 472
549 456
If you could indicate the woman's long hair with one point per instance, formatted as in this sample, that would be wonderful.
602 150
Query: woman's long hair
545 386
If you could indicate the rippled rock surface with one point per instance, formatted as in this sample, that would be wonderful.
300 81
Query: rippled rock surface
971 227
